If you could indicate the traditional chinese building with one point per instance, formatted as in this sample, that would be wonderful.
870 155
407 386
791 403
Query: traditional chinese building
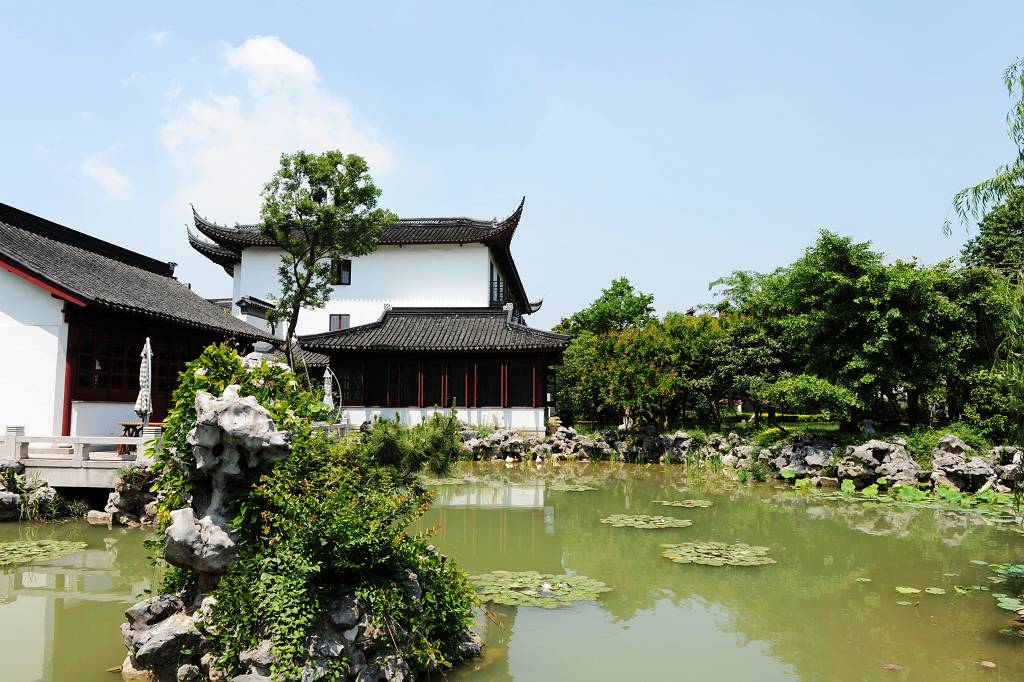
432 318
74 314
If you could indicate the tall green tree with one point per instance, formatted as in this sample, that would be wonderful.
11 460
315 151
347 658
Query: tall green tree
315 207
999 242
619 307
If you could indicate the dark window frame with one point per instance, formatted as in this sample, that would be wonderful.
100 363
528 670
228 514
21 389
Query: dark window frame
341 272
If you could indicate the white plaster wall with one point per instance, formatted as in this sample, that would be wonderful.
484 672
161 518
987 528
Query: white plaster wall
33 351
97 418
516 418
416 276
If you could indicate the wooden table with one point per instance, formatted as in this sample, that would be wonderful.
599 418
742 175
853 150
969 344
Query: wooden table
133 430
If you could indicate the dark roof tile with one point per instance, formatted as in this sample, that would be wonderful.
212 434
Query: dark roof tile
439 330
109 276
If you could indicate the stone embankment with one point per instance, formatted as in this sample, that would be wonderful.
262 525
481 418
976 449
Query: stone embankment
954 464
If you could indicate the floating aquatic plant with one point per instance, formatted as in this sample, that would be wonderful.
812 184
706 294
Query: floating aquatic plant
1005 601
569 487
1008 570
908 590
645 521
934 590
529 588
24 551
863 580
687 504
717 554
904 603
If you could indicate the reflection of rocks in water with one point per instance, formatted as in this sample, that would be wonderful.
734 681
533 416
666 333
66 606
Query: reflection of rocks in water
495 627
879 520
955 526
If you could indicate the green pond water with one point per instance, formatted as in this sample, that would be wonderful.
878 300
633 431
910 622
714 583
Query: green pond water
805 618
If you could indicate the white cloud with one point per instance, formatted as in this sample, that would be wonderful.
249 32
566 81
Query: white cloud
226 145
160 37
111 180
133 77
173 90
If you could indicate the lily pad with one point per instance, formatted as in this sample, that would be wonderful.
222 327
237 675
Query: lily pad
21 552
717 554
934 590
979 562
908 590
569 487
1008 570
530 588
905 603
1009 603
687 504
963 589
863 580
645 521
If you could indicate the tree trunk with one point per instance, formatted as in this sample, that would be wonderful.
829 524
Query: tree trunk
913 407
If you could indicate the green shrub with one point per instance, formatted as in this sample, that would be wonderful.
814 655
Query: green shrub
993 410
922 440
328 521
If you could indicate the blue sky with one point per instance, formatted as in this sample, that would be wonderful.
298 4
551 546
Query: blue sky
668 142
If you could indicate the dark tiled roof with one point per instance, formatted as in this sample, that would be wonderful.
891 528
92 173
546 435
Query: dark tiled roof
439 330
405 231
102 274
306 357
224 257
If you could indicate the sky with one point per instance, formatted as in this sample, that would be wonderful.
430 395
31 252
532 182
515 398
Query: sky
670 143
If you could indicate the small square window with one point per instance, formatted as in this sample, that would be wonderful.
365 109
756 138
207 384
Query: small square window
341 271
340 322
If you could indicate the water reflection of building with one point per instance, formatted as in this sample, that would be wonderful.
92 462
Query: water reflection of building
512 496
60 617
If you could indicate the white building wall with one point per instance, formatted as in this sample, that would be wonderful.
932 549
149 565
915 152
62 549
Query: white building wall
100 418
415 276
33 351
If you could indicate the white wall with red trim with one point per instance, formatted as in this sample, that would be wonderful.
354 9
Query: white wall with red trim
33 352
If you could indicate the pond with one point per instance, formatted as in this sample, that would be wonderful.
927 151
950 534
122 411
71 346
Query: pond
806 617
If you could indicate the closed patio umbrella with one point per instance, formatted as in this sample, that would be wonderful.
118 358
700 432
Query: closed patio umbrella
144 403
328 390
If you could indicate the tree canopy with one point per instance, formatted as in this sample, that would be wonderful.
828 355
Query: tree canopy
315 207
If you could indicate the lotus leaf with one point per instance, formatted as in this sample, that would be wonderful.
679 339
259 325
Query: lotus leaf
863 580
529 588
934 590
645 521
908 590
688 504
21 552
1009 603
1008 570
717 554
569 487
904 603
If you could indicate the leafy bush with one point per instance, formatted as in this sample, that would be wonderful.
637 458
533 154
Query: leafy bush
993 409
921 441
329 520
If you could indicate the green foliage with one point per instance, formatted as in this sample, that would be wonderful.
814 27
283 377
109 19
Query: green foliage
999 242
804 392
329 520
994 409
974 201
619 307
25 551
318 206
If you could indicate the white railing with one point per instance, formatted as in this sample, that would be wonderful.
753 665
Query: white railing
75 450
